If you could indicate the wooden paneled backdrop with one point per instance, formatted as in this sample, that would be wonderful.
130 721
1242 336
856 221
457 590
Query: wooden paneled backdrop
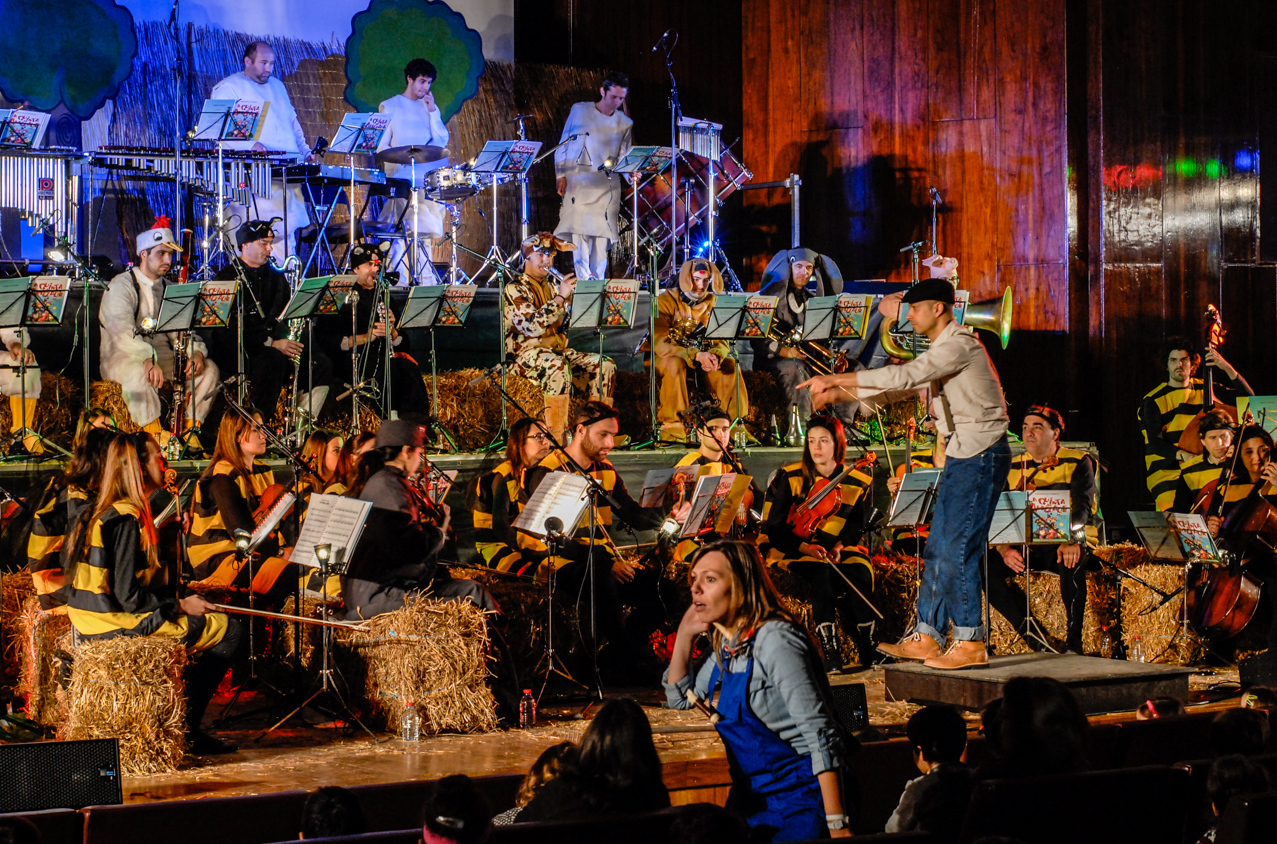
1101 157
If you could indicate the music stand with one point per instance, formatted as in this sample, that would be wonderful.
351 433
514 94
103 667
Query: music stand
840 317
359 134
554 511
603 304
31 301
320 296
216 123
503 161
431 307
911 508
644 163
740 317
1027 519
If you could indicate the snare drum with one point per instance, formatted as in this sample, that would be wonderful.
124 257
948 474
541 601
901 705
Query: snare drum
449 184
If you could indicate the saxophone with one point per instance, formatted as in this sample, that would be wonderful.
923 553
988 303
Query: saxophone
182 349
291 269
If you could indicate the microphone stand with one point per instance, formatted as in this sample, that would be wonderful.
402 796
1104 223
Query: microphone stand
596 492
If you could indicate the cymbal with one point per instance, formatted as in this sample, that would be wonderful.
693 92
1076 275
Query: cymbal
411 154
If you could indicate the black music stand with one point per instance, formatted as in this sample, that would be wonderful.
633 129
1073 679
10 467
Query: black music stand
358 134
603 304
319 296
1015 522
27 302
431 307
911 508
740 317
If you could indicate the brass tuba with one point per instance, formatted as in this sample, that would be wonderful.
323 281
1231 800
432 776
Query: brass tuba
991 315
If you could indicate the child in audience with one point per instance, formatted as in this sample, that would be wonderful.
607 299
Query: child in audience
331 811
1240 731
549 765
1231 776
616 772
1037 730
1159 707
936 802
456 813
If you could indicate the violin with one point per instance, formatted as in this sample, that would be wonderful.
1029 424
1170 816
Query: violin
1190 439
807 517
1027 483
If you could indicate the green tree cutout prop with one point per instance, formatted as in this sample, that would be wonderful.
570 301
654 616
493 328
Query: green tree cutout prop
390 33
69 52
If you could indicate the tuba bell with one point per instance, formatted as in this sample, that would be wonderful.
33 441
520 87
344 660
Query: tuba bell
991 315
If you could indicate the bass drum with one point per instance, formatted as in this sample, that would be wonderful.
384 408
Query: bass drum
656 201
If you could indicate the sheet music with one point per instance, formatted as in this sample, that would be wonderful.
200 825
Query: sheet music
271 520
562 495
912 506
1195 540
48 299
1008 525
710 489
331 520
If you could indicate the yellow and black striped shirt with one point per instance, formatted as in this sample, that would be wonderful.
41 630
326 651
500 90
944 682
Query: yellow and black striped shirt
687 547
778 542
211 543
49 529
1163 415
116 591
496 500
1074 472
1194 477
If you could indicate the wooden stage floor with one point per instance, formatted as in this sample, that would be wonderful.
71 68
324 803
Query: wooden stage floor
308 756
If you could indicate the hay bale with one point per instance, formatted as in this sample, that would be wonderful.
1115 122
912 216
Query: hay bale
433 654
311 634
17 590
41 670
57 411
131 688
109 396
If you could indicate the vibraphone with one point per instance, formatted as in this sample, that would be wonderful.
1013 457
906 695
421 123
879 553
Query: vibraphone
245 172
44 185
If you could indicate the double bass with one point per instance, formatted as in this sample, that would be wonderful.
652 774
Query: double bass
1190 439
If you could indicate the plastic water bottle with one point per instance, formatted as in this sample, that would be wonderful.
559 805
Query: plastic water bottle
1136 653
1106 642
527 710
410 723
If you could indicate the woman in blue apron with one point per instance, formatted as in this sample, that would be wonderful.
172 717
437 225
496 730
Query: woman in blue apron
785 749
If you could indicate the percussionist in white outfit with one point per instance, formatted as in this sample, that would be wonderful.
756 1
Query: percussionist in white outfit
14 341
415 119
592 196
140 362
281 132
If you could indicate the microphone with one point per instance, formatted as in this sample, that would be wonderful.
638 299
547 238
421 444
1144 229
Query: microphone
517 118
483 376
935 195
353 388
554 527
665 36
913 246
229 382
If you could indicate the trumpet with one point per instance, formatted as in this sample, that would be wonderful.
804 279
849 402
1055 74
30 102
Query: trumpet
822 359
688 333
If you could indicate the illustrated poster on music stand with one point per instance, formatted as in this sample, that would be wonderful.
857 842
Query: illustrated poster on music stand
659 483
48 300
437 306
20 129
841 317
1263 408
506 157
561 495
360 133
644 161
914 499
217 297
319 296
715 503
743 317
231 120
603 303
1050 514
1195 540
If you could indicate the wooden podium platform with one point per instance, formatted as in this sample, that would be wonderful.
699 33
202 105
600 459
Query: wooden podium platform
1100 685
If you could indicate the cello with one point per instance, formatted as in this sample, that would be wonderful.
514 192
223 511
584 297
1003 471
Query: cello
1221 600
1190 439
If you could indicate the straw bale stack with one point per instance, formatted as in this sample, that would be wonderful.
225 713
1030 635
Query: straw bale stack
132 689
40 668
433 654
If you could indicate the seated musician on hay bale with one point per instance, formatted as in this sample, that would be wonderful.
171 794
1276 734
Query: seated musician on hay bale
226 498
682 315
118 585
20 381
1047 465
536 334
497 499
398 553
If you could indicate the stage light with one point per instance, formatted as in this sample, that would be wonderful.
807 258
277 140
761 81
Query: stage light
57 254
1245 160
1214 169
1186 167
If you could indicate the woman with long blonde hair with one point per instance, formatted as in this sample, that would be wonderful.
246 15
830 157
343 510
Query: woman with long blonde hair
226 496
117 585
764 679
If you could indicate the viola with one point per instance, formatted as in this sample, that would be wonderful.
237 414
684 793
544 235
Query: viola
1190 439
806 517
